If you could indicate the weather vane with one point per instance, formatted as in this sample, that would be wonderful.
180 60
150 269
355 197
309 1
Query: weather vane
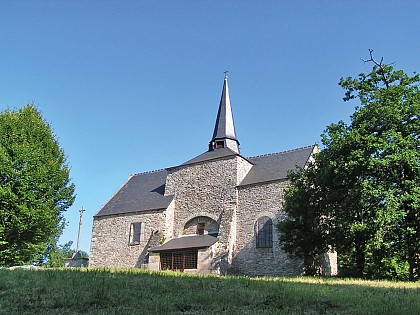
226 71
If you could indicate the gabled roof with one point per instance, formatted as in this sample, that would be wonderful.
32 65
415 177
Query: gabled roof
141 192
186 242
78 255
211 155
276 166
145 191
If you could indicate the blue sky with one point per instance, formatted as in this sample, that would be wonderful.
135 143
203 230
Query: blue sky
134 86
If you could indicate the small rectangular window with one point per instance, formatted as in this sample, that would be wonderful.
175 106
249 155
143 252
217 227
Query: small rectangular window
220 144
135 233
200 228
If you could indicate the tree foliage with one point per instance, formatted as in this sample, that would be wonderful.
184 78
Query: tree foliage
35 187
56 255
361 196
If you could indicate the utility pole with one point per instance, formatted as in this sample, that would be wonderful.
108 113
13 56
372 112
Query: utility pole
80 229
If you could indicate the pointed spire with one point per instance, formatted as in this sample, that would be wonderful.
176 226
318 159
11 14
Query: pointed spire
224 135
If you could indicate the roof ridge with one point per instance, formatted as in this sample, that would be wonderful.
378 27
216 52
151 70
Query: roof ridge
149 172
197 159
282 152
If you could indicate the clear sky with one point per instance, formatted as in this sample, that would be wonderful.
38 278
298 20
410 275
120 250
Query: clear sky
134 86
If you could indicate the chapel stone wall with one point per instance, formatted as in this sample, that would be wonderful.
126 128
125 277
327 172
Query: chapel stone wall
243 167
203 189
110 239
255 201
206 189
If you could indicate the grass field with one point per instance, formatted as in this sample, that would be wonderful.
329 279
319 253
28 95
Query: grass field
134 291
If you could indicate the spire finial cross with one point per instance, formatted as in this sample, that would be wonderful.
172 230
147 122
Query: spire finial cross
226 71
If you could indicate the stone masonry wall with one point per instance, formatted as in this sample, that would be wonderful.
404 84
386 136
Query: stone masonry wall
110 239
255 201
206 189
243 167
169 223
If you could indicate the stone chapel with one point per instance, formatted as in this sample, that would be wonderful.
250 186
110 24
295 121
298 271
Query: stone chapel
216 213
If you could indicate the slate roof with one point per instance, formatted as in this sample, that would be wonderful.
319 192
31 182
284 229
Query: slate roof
276 166
145 191
141 192
185 242
77 255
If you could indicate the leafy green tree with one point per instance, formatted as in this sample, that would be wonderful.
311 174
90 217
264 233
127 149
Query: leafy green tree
302 234
35 187
364 185
56 254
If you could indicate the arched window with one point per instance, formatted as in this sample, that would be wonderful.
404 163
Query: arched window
201 225
264 232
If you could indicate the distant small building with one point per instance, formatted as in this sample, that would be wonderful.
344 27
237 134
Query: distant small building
216 213
76 261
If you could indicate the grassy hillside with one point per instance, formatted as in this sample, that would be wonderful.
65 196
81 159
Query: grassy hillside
133 291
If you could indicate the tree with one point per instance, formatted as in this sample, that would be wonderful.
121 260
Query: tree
56 255
302 233
364 185
35 187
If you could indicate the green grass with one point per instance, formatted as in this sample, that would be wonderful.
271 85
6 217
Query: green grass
134 291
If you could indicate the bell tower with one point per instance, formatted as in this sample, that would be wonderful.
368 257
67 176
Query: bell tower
224 135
